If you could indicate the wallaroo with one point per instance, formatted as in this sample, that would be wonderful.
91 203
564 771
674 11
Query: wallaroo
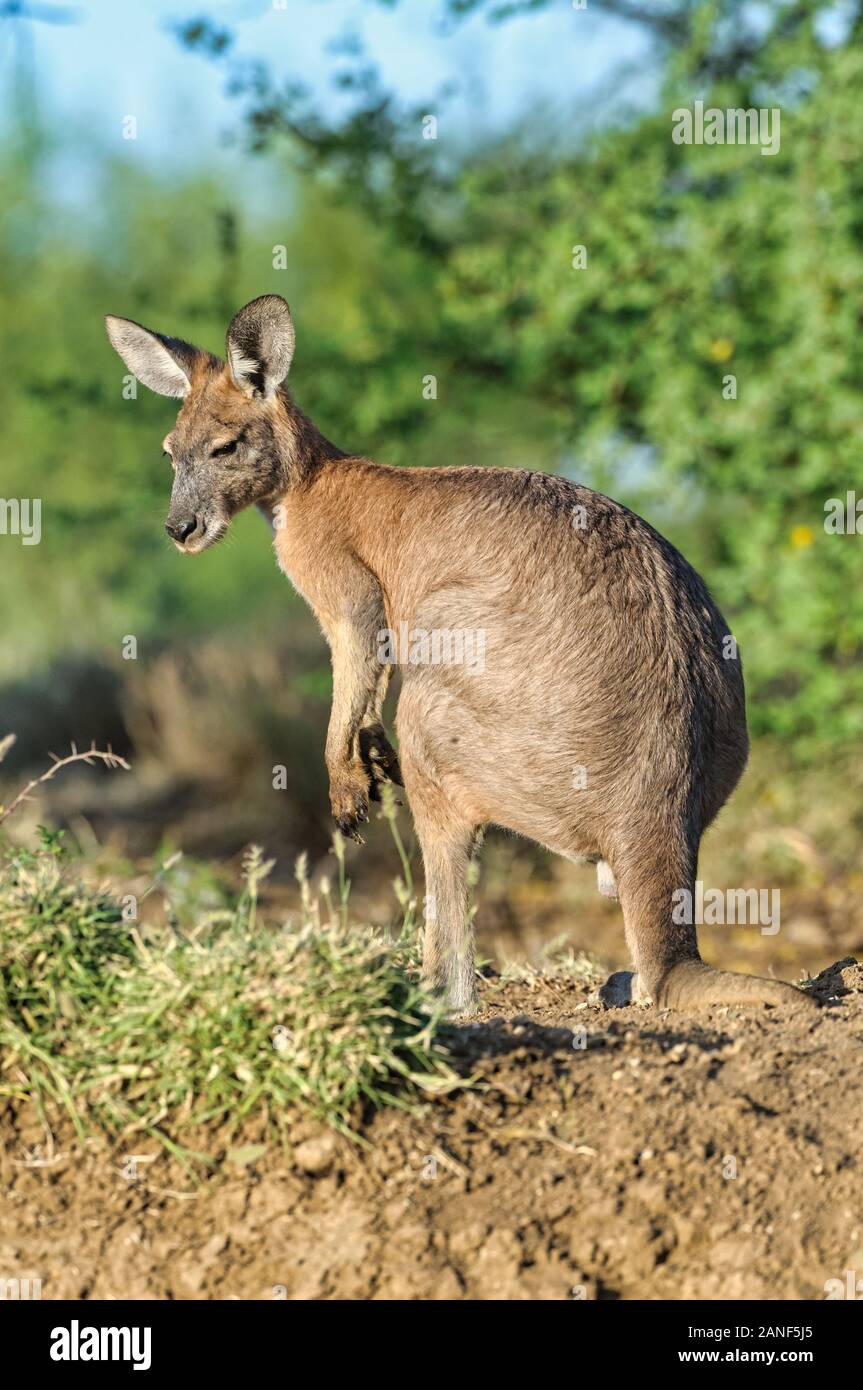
602 652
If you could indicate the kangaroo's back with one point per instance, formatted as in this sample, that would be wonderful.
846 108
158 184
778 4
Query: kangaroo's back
594 631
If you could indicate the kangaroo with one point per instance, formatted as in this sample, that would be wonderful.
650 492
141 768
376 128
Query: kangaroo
599 713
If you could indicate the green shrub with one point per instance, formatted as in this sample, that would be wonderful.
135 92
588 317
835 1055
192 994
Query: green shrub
180 1027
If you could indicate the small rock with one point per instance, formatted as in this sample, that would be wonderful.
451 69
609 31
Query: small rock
843 978
315 1156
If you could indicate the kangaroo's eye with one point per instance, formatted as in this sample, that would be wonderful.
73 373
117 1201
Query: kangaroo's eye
224 449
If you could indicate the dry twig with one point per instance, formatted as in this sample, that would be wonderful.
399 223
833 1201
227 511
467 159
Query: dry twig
93 754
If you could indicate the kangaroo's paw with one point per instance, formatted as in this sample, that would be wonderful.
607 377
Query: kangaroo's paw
349 800
379 759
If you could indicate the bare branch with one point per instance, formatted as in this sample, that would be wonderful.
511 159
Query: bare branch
91 756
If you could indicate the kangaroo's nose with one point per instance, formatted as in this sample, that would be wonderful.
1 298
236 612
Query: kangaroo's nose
181 530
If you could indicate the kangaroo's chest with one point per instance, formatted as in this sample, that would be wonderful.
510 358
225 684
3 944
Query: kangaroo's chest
307 558
314 554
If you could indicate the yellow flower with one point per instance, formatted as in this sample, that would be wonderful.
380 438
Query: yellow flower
801 536
721 349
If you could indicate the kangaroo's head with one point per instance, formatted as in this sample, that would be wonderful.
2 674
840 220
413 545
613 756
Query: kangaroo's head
228 443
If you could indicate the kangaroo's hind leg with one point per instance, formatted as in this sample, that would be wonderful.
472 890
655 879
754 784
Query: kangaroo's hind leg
446 839
650 871
655 873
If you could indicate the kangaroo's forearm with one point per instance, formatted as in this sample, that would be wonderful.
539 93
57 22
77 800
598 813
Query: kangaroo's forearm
349 605
374 711
356 683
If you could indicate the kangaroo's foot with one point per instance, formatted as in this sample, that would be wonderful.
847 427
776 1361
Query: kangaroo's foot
456 1008
692 984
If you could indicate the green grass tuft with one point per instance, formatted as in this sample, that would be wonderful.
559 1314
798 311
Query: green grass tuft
207 1020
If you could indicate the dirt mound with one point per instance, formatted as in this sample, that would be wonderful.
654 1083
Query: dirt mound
619 1153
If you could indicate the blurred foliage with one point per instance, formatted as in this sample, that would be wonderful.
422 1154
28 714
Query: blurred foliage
408 257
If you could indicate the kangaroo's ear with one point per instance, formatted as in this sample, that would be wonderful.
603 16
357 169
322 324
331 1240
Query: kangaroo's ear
261 345
163 364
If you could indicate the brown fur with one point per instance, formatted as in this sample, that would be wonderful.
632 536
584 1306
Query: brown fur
603 652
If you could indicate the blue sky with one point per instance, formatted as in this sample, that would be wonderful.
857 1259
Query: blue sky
121 59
